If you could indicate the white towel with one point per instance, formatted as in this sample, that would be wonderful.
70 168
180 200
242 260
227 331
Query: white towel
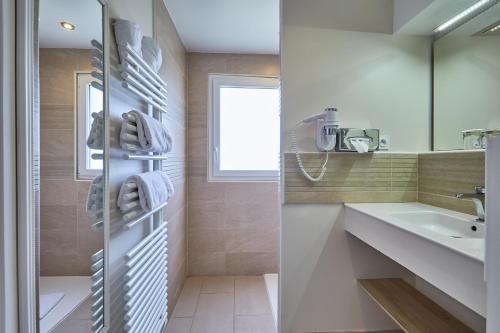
96 135
153 136
128 32
151 52
154 189
95 198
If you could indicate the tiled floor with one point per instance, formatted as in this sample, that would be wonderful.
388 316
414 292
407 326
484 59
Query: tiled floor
223 305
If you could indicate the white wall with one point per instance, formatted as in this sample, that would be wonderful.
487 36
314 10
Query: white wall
375 80
8 268
319 266
347 59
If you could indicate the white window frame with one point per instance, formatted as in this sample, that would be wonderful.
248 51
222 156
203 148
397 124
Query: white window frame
216 81
82 80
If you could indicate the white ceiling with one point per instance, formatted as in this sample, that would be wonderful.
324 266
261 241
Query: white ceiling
86 15
227 26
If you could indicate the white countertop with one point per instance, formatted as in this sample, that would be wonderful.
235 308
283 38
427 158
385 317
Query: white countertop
469 247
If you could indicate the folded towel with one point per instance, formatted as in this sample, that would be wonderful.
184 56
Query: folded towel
151 52
153 189
95 197
128 32
96 135
150 134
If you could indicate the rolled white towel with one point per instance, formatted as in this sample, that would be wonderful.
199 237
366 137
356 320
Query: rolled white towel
154 189
128 32
151 52
151 134
96 135
94 204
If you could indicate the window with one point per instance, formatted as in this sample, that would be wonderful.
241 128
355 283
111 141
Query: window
89 100
244 128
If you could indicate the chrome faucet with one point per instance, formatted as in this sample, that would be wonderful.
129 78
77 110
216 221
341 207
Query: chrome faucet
479 192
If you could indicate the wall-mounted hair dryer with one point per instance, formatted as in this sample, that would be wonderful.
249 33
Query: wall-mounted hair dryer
327 125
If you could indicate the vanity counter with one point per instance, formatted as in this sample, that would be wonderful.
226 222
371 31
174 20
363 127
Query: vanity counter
443 247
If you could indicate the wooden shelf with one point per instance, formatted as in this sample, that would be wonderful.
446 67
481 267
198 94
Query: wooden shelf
410 309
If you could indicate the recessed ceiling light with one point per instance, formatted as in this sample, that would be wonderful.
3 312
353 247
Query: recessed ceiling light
495 28
67 25
474 9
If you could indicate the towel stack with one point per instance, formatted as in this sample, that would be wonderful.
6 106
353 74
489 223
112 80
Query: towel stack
144 192
129 33
141 132
95 198
151 52
96 135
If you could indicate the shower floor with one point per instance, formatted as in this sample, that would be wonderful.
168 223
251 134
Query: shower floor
223 304
75 288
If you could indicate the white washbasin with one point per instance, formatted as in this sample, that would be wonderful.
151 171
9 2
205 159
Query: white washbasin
443 224
456 231
443 247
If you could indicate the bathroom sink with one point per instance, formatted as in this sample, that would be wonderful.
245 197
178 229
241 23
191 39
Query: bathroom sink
453 230
443 247
443 224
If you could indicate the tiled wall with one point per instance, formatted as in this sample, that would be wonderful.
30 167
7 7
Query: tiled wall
173 71
432 178
351 177
233 227
66 240
442 175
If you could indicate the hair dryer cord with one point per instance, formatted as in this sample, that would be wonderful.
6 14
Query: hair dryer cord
295 149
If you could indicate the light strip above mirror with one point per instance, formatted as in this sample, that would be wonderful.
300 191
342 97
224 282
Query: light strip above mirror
465 15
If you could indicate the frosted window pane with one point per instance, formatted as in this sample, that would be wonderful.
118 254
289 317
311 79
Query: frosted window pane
249 129
94 105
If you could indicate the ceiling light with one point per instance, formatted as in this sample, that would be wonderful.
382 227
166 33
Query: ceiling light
495 28
474 9
68 25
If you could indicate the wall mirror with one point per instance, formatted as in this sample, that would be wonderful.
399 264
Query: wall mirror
467 83
69 127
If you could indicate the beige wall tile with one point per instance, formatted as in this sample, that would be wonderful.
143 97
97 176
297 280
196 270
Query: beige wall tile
207 215
251 263
251 240
55 217
174 73
225 207
442 175
59 241
53 116
58 193
205 241
378 177
211 263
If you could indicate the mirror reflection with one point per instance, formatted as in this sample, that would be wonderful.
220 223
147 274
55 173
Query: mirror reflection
70 132
467 82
